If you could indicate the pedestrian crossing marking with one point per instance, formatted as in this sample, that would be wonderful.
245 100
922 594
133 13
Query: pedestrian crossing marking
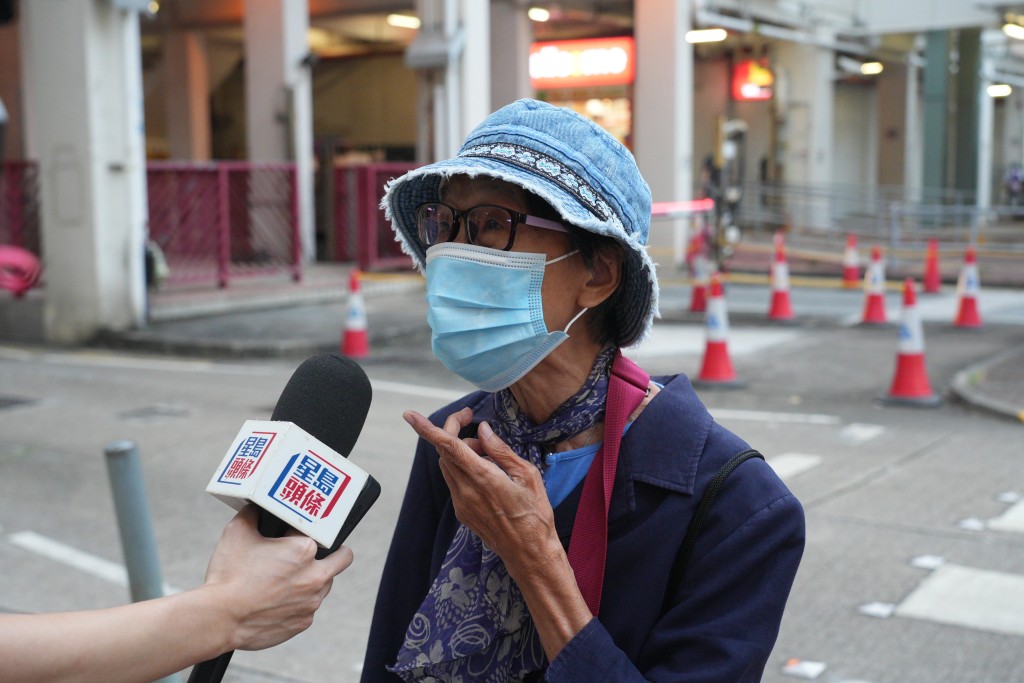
965 596
788 465
1011 520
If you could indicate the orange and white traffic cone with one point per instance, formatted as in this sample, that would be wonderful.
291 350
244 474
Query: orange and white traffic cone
932 277
781 308
699 288
910 383
874 290
968 285
716 368
355 342
851 263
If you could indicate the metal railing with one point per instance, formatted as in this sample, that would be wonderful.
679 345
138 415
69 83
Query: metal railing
361 232
218 221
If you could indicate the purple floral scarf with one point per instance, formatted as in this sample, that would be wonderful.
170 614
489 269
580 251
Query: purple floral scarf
473 624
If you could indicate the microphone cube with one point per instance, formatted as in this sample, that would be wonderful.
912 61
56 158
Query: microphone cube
290 474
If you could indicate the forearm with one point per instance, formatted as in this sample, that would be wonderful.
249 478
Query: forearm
556 605
138 642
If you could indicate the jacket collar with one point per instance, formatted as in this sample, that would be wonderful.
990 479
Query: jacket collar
662 447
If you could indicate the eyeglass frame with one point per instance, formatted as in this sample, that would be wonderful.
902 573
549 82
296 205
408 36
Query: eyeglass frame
460 217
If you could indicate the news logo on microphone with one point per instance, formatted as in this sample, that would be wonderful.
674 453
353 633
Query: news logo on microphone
290 474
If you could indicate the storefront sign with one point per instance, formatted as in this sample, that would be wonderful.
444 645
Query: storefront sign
751 80
582 63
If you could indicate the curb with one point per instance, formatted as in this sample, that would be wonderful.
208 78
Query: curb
965 383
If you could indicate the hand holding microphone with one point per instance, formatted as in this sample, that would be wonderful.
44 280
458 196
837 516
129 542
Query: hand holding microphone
269 588
294 468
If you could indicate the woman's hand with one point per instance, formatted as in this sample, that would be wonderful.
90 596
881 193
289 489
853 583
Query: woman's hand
498 495
502 499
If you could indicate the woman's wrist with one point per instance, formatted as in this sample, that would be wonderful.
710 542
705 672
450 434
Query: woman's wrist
556 605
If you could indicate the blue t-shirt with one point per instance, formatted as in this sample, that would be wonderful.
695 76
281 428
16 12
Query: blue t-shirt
564 471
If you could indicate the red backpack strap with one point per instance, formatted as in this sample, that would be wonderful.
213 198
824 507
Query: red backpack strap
588 545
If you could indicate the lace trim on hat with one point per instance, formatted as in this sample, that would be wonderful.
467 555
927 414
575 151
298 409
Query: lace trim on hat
551 168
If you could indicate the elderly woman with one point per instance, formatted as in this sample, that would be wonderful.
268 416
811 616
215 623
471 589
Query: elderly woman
544 532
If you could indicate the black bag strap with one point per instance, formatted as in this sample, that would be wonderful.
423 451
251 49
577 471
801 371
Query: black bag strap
703 507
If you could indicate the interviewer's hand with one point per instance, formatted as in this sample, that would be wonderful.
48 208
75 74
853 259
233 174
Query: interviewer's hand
269 587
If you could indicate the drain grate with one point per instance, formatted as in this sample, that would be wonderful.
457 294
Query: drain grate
13 401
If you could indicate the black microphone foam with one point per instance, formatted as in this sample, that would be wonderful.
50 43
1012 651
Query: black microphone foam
328 396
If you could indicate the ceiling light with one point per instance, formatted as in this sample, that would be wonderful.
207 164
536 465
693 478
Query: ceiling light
538 14
706 35
871 68
403 21
1014 31
998 90
153 7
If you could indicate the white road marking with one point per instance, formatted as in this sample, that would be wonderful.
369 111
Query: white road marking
417 390
1011 520
765 416
858 432
788 465
966 596
93 359
669 339
72 557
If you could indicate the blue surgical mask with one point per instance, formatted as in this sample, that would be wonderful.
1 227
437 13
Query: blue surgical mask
485 312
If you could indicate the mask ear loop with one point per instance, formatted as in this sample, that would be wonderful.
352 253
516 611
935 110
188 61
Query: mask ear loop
562 257
574 319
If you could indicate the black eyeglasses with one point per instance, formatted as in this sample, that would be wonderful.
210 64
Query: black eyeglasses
487 225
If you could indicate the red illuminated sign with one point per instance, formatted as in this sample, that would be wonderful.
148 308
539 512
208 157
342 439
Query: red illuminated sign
751 80
582 63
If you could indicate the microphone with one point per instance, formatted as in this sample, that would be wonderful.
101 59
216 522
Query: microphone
294 466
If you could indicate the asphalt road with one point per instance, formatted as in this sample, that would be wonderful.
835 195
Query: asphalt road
907 508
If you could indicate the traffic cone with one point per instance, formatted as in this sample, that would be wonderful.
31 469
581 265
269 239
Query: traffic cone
780 308
932 278
716 368
355 342
699 289
910 383
967 287
874 290
851 263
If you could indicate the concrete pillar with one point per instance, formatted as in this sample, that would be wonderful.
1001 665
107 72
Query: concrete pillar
982 139
968 110
82 82
806 105
936 109
663 107
475 65
453 55
278 97
188 96
912 167
511 35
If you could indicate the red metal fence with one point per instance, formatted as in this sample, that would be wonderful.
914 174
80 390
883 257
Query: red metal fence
218 221
362 233
19 205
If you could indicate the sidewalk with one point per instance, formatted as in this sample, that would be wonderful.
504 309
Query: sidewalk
286 319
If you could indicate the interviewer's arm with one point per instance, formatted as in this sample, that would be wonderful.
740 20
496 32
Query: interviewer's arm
258 592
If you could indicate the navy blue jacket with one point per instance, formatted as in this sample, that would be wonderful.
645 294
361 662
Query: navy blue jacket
720 622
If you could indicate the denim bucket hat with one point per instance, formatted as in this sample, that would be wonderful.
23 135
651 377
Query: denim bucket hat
570 162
